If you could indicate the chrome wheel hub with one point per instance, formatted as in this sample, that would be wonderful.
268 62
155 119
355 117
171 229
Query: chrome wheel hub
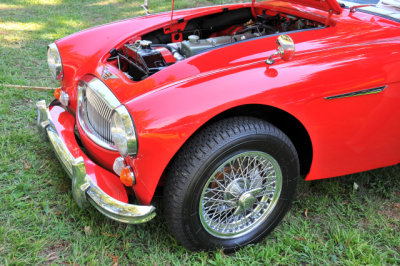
246 201
234 190
240 194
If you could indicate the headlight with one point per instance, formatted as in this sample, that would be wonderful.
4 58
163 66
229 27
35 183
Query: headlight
123 131
54 60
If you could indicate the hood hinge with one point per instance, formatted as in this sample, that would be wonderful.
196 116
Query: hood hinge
329 17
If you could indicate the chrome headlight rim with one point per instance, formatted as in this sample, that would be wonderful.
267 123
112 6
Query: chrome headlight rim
54 61
101 90
126 134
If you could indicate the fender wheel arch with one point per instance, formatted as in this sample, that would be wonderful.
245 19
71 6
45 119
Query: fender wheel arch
281 119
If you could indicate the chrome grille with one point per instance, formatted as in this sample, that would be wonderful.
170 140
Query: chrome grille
98 116
95 105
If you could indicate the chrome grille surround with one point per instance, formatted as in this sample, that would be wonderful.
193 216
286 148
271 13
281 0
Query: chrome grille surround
96 103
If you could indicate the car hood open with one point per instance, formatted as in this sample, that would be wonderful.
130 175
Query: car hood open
331 6
326 5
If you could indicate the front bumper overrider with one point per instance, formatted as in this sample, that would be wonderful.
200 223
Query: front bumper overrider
58 124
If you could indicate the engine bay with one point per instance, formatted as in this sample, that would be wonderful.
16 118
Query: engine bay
161 48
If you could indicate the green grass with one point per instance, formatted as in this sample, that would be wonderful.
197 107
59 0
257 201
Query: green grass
331 221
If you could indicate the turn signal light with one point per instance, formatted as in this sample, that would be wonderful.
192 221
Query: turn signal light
61 96
118 165
127 177
57 93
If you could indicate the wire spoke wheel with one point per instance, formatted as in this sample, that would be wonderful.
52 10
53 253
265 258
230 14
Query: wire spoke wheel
231 184
240 194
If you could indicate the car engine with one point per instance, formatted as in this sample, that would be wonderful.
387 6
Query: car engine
157 51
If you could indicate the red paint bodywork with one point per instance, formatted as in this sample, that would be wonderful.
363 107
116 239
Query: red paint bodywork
356 51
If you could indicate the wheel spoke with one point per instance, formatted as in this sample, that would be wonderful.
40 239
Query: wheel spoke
218 182
218 200
238 194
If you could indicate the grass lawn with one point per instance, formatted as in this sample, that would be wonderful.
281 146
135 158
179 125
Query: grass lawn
348 220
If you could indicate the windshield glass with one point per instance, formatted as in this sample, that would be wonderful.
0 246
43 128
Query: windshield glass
184 4
388 8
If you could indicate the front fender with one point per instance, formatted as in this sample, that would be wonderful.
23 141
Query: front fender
166 117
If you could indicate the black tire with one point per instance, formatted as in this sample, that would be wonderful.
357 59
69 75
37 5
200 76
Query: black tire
192 184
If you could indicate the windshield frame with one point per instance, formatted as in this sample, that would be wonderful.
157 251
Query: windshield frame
380 11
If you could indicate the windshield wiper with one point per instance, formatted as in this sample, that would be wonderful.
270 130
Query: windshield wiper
353 8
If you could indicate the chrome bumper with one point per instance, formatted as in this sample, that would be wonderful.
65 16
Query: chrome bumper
84 189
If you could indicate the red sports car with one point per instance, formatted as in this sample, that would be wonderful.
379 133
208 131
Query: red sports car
225 108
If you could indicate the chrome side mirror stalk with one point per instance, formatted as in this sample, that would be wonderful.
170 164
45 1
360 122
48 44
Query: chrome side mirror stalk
270 61
285 50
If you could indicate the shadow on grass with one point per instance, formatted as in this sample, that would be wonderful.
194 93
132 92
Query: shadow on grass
383 182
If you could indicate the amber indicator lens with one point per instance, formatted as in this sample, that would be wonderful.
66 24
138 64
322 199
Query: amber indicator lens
57 93
127 176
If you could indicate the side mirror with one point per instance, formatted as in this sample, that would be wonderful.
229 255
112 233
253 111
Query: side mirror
285 49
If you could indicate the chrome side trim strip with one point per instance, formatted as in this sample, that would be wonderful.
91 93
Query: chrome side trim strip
357 93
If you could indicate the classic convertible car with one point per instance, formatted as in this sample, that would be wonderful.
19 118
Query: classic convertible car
224 108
